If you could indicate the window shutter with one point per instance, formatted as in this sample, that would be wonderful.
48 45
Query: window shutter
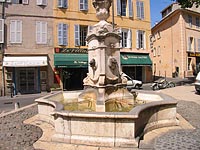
89 29
138 9
144 39
194 45
137 39
142 9
41 2
77 35
119 7
65 34
65 3
25 2
130 2
120 31
189 44
198 45
85 4
12 31
88 32
129 39
1 30
62 3
19 31
44 33
59 3
38 31
44 2
60 34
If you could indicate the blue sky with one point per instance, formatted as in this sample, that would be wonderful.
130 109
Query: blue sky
156 7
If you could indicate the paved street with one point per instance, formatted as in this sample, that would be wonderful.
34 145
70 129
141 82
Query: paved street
7 103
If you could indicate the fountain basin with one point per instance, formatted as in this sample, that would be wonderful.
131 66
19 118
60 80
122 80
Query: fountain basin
111 129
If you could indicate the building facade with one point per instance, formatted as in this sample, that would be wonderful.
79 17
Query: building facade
44 42
28 46
175 42
72 22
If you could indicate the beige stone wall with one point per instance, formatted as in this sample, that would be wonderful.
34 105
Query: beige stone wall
173 42
72 16
29 14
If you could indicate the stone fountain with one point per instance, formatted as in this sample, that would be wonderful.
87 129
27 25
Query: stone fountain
104 57
104 88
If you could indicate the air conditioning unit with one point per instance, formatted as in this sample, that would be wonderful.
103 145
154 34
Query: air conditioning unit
41 2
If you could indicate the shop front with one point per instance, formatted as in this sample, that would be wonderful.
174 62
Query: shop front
25 74
72 68
137 66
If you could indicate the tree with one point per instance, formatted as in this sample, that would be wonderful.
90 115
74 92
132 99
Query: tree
188 3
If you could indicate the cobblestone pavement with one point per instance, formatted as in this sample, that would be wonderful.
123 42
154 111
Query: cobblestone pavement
14 134
183 139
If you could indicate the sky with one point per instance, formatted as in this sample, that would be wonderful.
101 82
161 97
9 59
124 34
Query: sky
156 7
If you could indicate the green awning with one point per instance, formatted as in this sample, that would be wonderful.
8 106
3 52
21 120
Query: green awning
81 60
135 59
71 60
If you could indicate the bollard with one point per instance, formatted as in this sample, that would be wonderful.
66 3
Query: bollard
17 105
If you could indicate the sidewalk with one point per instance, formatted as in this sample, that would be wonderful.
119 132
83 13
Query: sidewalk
23 96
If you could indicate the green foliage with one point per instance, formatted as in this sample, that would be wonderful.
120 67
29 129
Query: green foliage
188 3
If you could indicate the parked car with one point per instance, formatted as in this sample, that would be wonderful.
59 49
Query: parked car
132 84
197 83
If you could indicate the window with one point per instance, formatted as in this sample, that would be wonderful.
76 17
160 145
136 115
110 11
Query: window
1 30
190 20
140 10
189 63
80 35
126 41
191 44
62 34
122 8
62 3
159 51
41 2
43 74
83 4
158 35
198 49
197 22
151 41
17 1
15 31
140 39
41 32
154 52
124 38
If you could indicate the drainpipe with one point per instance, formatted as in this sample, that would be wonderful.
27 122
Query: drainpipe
2 49
113 21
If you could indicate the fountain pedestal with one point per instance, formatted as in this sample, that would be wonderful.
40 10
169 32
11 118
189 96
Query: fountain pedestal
103 56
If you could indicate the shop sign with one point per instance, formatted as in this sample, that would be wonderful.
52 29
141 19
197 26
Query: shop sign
194 54
71 50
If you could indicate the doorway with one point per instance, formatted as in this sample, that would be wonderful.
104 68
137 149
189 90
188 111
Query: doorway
27 80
